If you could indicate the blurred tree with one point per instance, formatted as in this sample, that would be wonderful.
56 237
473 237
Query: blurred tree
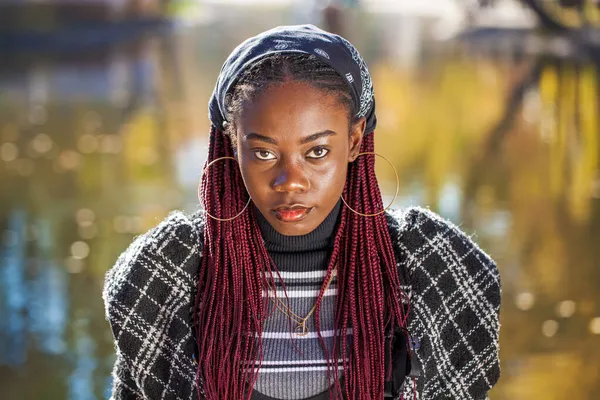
564 15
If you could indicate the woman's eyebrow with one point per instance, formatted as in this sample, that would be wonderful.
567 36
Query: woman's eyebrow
304 140
262 138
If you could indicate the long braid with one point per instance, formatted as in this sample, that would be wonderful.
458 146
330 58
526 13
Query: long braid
228 303
236 266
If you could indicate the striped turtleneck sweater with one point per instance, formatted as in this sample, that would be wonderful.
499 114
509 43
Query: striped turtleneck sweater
294 367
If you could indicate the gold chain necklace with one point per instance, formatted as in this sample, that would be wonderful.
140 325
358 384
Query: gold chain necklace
301 328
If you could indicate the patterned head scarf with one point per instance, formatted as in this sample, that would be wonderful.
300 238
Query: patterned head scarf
334 50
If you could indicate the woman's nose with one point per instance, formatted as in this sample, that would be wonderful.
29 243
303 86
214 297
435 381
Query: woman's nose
291 178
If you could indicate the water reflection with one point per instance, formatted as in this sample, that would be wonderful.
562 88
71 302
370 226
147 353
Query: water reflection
77 136
48 314
96 150
539 167
14 301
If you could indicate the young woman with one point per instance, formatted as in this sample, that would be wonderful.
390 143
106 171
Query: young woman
295 281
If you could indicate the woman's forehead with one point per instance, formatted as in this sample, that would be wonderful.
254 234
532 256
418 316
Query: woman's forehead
293 110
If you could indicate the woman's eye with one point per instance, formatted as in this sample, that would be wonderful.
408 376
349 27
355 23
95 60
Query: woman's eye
318 152
264 155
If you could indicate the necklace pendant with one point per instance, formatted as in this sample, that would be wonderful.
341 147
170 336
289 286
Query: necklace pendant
301 329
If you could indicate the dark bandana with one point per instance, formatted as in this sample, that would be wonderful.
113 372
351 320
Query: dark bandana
334 50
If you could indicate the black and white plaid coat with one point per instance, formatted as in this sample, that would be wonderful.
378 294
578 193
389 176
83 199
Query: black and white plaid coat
455 300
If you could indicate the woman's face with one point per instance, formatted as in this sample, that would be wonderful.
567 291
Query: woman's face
293 147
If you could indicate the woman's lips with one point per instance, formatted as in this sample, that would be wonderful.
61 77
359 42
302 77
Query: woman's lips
291 214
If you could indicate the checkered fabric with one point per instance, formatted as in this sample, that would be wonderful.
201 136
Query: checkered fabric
454 288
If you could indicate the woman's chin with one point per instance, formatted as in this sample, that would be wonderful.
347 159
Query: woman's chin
294 228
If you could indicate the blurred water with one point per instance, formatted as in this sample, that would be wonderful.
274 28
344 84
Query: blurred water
98 147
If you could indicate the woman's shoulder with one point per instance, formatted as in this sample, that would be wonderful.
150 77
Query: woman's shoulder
421 233
434 251
455 302
148 297
164 259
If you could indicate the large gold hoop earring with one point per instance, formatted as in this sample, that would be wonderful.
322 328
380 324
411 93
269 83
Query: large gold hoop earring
199 187
395 195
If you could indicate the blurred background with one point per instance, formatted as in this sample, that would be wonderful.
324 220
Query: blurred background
489 110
